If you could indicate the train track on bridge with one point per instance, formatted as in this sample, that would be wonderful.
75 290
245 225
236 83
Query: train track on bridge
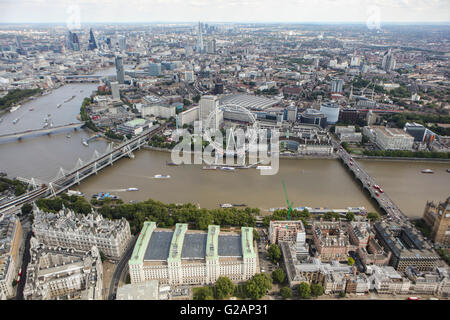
83 170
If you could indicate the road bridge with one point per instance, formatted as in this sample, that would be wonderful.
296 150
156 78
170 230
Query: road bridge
20 135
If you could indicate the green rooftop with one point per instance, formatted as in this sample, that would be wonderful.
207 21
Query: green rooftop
141 244
247 242
176 245
212 242
135 122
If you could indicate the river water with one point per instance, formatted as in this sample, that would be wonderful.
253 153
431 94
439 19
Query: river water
314 183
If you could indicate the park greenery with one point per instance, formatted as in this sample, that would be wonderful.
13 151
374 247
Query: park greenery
423 227
15 186
112 135
84 115
255 288
278 276
350 261
373 216
445 254
15 96
258 285
316 289
350 216
274 253
286 292
304 290
160 142
165 215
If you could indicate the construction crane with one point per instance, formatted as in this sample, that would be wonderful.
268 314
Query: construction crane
287 201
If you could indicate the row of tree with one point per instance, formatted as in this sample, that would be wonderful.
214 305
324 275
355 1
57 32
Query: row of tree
407 154
16 95
165 215
255 288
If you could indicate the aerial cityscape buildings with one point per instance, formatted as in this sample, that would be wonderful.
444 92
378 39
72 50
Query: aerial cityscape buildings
94 204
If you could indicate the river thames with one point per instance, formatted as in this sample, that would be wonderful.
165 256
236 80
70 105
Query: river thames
313 183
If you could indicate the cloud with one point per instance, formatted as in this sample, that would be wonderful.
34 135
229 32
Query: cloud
224 10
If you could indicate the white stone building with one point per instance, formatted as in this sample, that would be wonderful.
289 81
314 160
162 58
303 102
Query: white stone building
81 232
192 257
63 273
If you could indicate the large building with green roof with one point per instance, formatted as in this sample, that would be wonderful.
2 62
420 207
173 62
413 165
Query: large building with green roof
183 256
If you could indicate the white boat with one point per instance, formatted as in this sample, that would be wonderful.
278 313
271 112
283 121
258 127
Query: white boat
427 171
161 176
132 189
209 167
15 108
59 105
264 168
31 109
74 193
68 135
15 120
227 168
226 205
84 142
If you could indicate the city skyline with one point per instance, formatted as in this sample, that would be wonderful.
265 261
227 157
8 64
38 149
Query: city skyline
347 11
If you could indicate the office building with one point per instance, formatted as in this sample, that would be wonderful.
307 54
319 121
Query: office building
134 127
122 43
154 69
188 117
337 85
388 63
392 138
348 134
80 232
209 113
419 132
58 273
10 244
92 43
148 290
192 257
291 113
331 111
189 76
200 46
349 115
115 91
285 230
407 246
331 240
386 280
313 116
119 70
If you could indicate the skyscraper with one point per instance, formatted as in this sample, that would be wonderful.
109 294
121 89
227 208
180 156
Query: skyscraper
122 43
119 70
336 85
92 43
199 47
72 41
388 63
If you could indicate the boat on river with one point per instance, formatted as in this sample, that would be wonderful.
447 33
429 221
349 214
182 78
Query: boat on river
161 176
427 171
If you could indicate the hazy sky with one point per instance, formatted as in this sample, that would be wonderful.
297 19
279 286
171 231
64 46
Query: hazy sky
224 10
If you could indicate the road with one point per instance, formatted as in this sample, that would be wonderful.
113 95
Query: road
119 270
25 261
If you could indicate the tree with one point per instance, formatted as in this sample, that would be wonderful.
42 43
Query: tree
373 216
27 208
223 288
196 99
286 292
350 261
316 289
342 294
274 253
304 291
350 216
258 285
278 276
102 256
203 293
